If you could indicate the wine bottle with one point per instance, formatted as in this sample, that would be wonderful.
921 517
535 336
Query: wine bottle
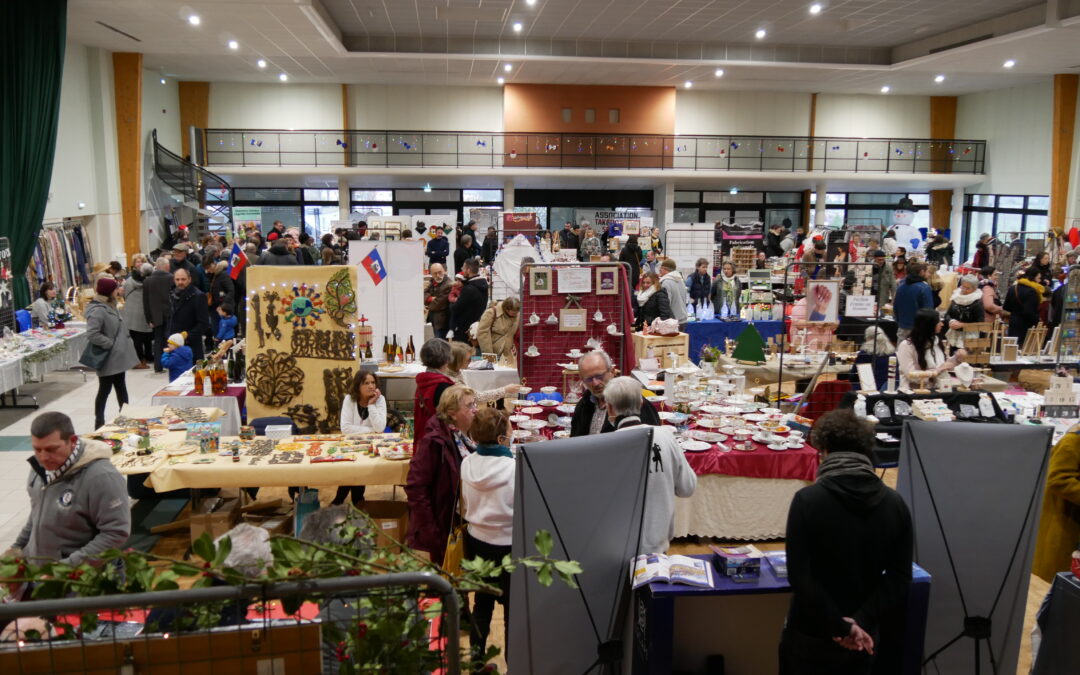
368 356
410 352
386 349
394 345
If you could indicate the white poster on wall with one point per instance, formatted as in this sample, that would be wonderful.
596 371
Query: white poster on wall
395 305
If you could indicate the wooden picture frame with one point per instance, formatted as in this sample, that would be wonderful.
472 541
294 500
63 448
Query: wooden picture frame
540 281
573 320
607 281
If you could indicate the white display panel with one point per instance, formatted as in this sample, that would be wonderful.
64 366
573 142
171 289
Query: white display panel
396 304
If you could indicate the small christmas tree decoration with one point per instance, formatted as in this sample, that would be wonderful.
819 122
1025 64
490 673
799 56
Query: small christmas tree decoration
749 346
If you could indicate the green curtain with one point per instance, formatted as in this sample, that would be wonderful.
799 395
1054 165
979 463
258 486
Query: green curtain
32 35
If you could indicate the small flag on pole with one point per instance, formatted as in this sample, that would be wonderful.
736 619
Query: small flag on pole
237 261
374 265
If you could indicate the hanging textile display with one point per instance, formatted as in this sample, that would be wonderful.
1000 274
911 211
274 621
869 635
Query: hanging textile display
62 256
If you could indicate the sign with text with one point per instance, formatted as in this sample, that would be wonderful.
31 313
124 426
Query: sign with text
523 223
859 305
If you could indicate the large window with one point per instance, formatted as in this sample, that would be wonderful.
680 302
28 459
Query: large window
421 201
1004 216
740 206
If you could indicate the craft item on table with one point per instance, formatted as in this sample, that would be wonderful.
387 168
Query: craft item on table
986 406
289 446
332 458
288 457
882 410
314 449
860 406
260 447
206 435
968 411
187 414
396 452
891 388
738 563
274 378
932 410
203 460
749 346
901 408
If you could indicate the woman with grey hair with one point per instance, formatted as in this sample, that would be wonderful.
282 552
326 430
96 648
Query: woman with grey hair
670 475
965 308
435 355
142 335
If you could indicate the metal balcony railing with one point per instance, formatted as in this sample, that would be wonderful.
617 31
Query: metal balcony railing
472 150
190 184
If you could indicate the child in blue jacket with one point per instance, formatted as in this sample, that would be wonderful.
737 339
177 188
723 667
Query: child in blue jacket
227 323
177 356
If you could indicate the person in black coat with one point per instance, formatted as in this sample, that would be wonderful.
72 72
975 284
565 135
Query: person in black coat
490 247
700 283
597 369
472 301
438 249
776 234
189 313
157 306
466 249
849 552
1022 302
653 302
631 254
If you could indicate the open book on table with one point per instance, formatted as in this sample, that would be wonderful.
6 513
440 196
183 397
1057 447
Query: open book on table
672 569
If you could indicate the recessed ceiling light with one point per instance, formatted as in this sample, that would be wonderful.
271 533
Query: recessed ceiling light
688 84
233 44
163 80
261 63
719 72
283 77
733 191
501 80
760 34
1009 64
507 67
939 79
530 3
815 8
886 89
194 20
517 26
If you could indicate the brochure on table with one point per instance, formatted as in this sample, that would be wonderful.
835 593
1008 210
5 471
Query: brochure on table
671 569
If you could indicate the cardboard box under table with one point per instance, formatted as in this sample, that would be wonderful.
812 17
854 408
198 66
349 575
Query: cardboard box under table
661 346
677 627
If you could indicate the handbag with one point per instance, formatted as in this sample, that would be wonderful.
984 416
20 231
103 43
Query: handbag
94 357
455 543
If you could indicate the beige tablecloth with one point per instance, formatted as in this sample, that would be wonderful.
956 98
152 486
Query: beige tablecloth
222 472
734 507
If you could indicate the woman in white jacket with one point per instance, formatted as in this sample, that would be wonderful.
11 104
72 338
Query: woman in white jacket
921 356
363 411
487 491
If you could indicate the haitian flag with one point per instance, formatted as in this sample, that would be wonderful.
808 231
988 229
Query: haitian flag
374 266
237 261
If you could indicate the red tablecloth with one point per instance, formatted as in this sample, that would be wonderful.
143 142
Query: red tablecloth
761 463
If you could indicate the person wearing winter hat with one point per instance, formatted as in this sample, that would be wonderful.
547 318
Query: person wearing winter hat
105 329
177 356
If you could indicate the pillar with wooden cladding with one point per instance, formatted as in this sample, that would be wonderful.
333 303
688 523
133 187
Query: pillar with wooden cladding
810 133
345 123
942 127
1065 89
194 112
127 91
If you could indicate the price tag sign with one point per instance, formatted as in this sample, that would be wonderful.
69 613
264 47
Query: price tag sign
859 305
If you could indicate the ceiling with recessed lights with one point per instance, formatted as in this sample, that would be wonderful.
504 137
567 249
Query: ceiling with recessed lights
849 46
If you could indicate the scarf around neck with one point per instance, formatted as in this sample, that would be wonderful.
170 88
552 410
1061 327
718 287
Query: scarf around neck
1032 285
845 464
965 299
494 450
76 452
643 296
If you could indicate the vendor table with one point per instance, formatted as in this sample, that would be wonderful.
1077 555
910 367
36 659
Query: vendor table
676 627
180 393
794 370
400 385
712 333
889 454
743 495
46 350
188 471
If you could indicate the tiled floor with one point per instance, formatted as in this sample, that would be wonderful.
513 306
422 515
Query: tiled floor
64 391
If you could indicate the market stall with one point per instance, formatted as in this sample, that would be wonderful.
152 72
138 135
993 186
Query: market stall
715 333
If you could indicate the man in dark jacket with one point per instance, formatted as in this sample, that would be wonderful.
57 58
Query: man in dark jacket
437 299
567 238
472 302
773 249
849 549
278 253
438 248
912 294
1022 302
180 259
466 249
157 307
590 415
189 313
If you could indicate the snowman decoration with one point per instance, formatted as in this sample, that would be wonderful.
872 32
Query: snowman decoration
902 230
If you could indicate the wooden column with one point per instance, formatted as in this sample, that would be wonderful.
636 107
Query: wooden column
127 88
194 112
943 128
345 122
811 133
1065 88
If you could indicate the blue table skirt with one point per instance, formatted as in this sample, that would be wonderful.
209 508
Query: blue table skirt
712 333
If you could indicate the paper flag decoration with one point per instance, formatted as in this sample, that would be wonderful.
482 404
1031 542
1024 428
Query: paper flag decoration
374 265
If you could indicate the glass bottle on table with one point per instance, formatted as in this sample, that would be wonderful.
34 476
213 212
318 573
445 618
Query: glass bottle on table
386 349
199 373
410 352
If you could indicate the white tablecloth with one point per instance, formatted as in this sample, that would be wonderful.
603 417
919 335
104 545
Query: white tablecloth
11 374
175 395
734 507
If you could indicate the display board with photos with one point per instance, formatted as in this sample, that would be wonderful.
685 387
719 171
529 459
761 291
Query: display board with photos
572 307
301 342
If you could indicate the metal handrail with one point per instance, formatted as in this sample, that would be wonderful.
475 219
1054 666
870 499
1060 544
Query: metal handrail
191 181
526 150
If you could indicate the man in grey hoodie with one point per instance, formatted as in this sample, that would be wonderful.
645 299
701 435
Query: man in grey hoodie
671 280
78 500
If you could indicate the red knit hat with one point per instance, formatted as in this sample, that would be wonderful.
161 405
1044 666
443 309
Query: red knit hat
105 286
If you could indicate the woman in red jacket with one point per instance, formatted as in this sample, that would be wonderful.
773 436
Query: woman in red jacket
435 471
430 384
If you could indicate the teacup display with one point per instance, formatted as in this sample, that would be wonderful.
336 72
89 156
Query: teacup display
534 319
532 351
598 317
552 319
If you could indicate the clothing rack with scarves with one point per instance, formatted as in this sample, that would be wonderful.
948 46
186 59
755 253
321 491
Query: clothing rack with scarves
62 256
